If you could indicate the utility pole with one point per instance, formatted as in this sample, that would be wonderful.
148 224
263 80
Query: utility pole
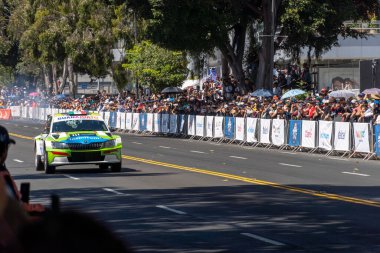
135 32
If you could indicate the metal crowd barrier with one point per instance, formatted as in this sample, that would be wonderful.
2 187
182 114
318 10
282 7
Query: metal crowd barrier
331 138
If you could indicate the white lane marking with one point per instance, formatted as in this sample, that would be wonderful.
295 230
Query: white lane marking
36 128
263 239
138 143
26 126
17 160
111 190
171 209
238 157
356 174
199 152
71 177
290 165
163 147
289 153
340 159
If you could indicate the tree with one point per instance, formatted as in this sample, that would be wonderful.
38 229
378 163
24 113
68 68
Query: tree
156 67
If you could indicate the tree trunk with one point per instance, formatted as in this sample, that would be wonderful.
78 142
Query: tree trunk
265 71
54 77
72 82
225 68
47 75
64 77
234 52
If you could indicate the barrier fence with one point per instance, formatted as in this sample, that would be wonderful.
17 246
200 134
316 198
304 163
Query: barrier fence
333 138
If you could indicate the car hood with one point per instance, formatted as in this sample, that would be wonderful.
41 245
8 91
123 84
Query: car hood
82 137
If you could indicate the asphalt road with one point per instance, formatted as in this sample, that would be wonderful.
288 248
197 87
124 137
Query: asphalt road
177 195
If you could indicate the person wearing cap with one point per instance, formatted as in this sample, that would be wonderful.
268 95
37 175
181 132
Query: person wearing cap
5 176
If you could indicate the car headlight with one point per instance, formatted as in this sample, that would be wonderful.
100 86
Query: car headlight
109 144
59 145
117 141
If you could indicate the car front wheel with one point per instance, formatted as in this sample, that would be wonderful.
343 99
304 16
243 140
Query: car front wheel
48 168
38 162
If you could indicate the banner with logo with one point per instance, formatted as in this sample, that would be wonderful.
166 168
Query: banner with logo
113 119
118 123
342 136
149 123
49 111
107 116
251 130
31 112
294 139
218 127
135 121
182 124
361 137
5 114
24 112
229 127
265 131
209 125
157 123
41 112
122 121
16 111
278 132
165 123
191 125
143 121
325 131
128 121
200 125
240 129
308 134
173 129
376 129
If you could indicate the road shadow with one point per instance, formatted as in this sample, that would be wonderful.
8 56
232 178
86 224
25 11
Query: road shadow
215 217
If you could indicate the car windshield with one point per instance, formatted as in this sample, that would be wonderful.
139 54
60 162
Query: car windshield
79 125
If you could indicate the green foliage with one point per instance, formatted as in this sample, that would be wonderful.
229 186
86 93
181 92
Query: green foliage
156 67
6 76
318 24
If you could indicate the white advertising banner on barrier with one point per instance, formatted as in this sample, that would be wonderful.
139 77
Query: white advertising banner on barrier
239 129
107 118
42 113
191 125
122 121
31 112
278 132
16 111
118 117
342 136
136 121
55 111
128 121
251 130
361 138
149 122
49 111
308 134
165 123
265 131
209 125
218 127
24 112
157 123
173 124
325 131
199 125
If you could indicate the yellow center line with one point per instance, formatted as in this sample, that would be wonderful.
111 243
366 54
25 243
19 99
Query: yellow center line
244 179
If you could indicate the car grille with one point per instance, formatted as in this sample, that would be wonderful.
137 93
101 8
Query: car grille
85 156
80 146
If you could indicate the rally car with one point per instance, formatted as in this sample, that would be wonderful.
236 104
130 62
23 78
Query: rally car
77 138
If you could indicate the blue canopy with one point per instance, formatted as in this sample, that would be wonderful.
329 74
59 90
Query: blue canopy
60 96
293 93
262 93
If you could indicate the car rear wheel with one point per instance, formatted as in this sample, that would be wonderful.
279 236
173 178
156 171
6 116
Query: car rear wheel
38 162
103 166
116 167
48 168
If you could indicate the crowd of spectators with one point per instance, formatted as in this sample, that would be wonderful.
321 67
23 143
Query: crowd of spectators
222 98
